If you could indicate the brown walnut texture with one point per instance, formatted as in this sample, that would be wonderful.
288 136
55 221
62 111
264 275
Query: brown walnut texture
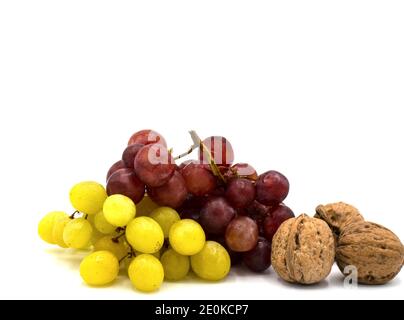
375 251
303 250
338 215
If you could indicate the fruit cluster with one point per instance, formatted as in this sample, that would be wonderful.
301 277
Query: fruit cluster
159 219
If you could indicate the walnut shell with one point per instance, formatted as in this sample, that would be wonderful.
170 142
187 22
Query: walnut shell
338 215
303 250
375 251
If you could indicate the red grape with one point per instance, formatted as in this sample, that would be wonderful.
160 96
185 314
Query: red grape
154 165
272 188
216 215
147 137
259 258
125 182
128 156
240 192
198 179
272 222
220 149
242 234
115 167
172 194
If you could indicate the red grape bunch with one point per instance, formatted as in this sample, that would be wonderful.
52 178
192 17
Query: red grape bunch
235 206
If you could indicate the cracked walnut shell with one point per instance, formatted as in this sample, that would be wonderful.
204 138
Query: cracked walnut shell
303 250
375 251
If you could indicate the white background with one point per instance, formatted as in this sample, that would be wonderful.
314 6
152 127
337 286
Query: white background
313 89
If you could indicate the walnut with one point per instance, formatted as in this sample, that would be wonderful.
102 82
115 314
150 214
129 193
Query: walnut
375 251
303 250
338 216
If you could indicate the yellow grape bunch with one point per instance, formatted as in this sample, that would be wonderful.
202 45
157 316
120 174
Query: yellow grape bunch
151 242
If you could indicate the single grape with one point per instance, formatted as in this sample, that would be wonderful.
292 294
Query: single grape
145 235
147 137
273 221
154 165
216 215
212 262
176 266
146 273
99 268
187 237
172 194
119 210
242 234
129 154
146 206
220 149
117 246
272 188
165 217
115 167
77 233
102 225
125 182
47 223
259 258
241 170
58 229
198 180
240 192
88 197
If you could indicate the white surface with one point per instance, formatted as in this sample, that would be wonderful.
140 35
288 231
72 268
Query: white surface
313 89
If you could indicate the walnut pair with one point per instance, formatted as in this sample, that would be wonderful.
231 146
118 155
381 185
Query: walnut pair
304 248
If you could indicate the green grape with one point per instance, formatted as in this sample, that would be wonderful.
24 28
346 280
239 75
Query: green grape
58 229
145 207
145 235
88 197
146 273
45 226
102 225
165 217
187 237
117 247
77 233
212 262
99 268
119 210
176 266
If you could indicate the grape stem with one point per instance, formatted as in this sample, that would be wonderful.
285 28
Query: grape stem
199 144
130 254
73 214
204 148
116 239
189 151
